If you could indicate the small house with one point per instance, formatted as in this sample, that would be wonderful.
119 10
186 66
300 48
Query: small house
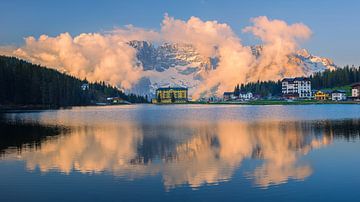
245 95
85 86
338 95
116 100
355 91
229 96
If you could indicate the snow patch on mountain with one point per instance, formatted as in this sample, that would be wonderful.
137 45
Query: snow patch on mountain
312 63
309 63
171 64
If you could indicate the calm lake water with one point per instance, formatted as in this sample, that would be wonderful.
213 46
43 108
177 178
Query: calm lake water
182 153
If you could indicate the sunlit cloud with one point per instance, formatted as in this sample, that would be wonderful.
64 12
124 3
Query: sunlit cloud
210 155
107 56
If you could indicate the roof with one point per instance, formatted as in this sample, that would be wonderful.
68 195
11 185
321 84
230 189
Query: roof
339 91
325 91
287 80
228 93
355 84
172 88
302 79
295 79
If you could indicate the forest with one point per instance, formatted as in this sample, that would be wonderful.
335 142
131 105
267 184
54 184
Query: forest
26 84
321 80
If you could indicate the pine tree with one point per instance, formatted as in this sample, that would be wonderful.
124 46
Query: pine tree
23 83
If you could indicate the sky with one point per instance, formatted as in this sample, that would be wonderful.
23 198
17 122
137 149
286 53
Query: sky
334 23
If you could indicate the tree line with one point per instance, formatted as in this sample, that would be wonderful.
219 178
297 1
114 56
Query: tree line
335 78
320 80
24 83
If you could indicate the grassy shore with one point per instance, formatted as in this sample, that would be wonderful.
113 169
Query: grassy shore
6 108
277 102
297 102
11 108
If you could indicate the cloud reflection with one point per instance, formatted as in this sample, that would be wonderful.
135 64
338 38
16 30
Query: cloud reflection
191 154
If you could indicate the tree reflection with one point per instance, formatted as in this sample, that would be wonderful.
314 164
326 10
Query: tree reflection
190 153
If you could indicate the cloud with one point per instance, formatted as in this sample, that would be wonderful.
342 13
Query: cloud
209 154
237 63
107 56
95 56
212 39
206 36
279 41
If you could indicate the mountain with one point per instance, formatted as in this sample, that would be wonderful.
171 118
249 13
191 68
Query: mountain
313 63
172 64
309 63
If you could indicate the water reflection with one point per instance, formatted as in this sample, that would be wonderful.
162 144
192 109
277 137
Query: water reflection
18 136
188 153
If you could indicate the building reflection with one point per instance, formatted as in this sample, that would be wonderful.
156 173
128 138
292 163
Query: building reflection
190 153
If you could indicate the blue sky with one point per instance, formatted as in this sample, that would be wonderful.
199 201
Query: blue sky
335 23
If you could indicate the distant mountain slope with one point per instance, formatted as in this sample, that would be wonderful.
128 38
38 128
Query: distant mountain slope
309 63
181 65
340 78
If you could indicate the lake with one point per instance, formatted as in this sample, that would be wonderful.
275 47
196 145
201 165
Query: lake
182 153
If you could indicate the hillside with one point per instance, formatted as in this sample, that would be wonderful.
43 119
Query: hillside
26 84
339 78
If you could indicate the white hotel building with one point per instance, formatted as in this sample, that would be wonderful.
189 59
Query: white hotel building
298 87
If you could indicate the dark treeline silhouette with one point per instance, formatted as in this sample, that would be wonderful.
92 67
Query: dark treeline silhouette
23 83
339 77
13 134
326 79
263 88
342 129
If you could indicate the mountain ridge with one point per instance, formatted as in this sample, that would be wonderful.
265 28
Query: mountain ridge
174 64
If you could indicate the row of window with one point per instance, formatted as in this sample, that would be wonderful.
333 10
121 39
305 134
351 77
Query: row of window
297 88
176 95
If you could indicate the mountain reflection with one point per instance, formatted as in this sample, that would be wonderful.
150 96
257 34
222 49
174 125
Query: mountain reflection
190 153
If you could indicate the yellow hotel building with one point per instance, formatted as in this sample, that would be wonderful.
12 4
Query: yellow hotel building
171 95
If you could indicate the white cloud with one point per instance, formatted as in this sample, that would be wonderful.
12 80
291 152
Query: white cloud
108 57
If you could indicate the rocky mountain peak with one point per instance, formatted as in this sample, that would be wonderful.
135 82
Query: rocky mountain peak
173 64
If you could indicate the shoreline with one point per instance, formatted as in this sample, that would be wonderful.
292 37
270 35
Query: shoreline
14 108
267 102
276 102
22 108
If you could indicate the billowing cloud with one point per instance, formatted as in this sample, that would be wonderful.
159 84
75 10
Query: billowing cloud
279 40
206 36
237 63
108 57
212 39
93 56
